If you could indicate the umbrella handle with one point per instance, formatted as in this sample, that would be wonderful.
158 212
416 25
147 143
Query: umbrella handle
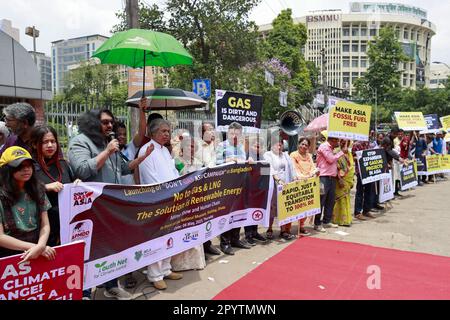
143 77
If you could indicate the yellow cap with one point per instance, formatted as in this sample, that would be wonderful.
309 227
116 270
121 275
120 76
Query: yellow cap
14 156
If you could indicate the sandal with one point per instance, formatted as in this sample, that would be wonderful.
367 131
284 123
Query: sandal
269 234
130 282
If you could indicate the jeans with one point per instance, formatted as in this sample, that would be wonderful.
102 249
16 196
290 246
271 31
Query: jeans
364 196
326 200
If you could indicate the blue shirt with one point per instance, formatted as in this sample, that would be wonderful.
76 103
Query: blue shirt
421 146
226 150
437 145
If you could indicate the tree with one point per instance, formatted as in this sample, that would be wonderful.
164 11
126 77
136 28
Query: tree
385 55
283 44
95 84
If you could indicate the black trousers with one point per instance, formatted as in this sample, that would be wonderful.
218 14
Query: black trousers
250 231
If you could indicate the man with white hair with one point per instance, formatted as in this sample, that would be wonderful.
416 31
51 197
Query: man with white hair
20 119
157 168
4 133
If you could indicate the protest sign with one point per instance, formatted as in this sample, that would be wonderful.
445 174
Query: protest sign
445 163
386 191
349 121
372 165
245 109
445 121
432 121
433 164
129 227
421 166
408 176
298 199
42 279
411 121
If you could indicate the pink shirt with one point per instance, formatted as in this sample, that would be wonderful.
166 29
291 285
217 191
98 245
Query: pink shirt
327 160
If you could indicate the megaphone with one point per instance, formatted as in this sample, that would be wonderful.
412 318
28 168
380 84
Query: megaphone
291 122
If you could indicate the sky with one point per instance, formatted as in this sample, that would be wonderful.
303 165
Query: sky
64 19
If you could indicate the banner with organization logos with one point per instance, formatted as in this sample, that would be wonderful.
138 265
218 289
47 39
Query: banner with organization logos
386 189
130 227
445 121
245 109
411 121
297 200
372 165
408 176
348 120
42 279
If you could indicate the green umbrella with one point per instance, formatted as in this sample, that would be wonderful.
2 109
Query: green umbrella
138 48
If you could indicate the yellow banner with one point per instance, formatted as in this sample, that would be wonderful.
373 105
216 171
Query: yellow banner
298 199
349 121
445 163
434 164
411 121
445 121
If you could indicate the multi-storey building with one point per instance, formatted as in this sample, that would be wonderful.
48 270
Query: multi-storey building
44 64
69 52
345 38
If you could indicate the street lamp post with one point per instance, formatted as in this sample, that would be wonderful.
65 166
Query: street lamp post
33 32
375 97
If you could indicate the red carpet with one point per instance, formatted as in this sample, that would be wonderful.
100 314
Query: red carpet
312 268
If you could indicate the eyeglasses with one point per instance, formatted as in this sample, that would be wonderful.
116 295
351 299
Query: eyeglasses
106 122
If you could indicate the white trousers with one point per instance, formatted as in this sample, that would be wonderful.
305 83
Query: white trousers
158 270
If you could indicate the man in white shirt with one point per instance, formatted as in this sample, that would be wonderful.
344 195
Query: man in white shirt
157 168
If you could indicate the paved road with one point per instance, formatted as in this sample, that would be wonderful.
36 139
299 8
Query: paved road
418 222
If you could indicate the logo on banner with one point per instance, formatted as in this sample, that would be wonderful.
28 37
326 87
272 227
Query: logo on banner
208 229
82 231
104 268
238 217
190 236
169 243
257 215
145 254
82 198
222 223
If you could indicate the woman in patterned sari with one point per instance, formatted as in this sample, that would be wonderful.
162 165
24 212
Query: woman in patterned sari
346 171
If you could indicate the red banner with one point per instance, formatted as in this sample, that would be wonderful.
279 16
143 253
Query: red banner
42 279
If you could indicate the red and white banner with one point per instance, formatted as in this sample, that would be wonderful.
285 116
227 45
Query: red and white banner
42 279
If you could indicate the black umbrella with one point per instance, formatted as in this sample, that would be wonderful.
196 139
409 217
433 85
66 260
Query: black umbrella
167 99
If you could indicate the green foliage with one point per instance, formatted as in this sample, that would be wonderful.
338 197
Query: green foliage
94 84
385 54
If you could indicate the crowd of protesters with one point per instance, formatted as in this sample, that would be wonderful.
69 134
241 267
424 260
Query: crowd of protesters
33 170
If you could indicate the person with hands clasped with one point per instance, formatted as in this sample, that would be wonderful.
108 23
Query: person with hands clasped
24 225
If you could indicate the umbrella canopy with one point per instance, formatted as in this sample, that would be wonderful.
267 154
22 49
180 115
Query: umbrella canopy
137 48
318 124
168 99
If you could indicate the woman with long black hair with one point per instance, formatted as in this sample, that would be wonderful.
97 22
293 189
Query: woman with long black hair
53 171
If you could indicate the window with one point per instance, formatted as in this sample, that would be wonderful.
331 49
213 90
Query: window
364 48
405 34
346 77
363 32
346 32
354 76
373 32
354 48
346 48
355 32
404 82
346 63
355 63
363 63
